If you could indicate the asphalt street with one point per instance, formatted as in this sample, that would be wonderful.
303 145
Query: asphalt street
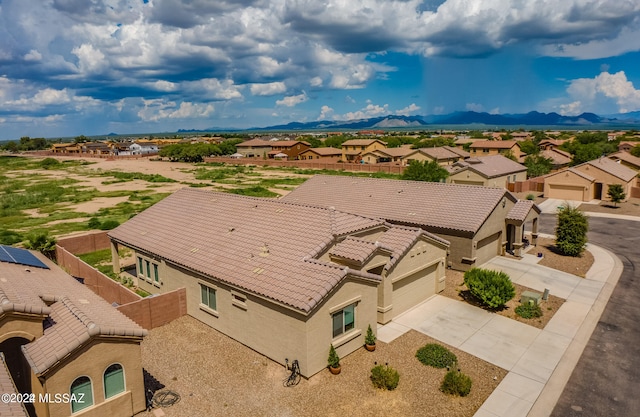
606 380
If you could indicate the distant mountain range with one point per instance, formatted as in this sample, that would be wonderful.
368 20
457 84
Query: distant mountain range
469 119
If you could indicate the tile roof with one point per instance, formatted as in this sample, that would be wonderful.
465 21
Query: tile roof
280 143
76 313
264 246
490 166
9 408
435 205
440 152
573 171
494 144
607 165
355 249
557 156
325 151
255 143
521 210
460 152
360 142
626 157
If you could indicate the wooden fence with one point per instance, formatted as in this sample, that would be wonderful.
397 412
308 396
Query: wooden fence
311 164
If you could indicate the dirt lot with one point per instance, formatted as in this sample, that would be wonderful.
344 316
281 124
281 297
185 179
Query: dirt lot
551 258
216 375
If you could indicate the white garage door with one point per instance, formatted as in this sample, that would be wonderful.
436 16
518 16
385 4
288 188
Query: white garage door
565 192
487 248
412 290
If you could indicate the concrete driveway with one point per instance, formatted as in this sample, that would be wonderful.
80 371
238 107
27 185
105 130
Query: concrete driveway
529 354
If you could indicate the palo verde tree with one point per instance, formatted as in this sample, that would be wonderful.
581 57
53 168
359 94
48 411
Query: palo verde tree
571 231
616 193
425 171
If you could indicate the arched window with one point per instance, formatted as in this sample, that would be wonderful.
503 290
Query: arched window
81 394
113 380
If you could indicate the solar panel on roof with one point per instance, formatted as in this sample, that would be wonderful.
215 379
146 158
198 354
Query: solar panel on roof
20 257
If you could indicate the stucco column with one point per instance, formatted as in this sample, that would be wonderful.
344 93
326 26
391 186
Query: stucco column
517 244
534 232
115 258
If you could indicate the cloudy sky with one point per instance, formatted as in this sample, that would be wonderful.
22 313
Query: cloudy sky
71 67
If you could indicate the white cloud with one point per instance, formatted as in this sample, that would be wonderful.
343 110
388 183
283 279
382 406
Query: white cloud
268 89
33 56
325 113
412 108
91 60
371 110
157 109
474 107
604 93
291 101
316 82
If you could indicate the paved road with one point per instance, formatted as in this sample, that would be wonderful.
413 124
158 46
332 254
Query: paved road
606 381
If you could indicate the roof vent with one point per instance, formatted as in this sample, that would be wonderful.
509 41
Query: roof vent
264 250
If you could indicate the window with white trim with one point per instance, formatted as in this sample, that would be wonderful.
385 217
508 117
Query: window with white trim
208 297
156 276
344 320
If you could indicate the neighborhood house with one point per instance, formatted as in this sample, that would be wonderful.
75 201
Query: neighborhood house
286 279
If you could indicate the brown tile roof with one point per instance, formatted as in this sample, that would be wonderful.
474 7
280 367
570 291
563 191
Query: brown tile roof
325 151
490 166
354 249
494 144
617 170
396 152
573 171
521 210
441 152
360 142
7 386
460 152
30 289
557 156
261 245
434 205
626 157
281 143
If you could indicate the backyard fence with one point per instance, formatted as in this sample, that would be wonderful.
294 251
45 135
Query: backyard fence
311 164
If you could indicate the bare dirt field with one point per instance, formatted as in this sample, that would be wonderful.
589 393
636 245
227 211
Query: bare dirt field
215 376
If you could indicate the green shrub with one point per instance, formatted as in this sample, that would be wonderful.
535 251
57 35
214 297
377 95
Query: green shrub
492 288
109 224
385 377
456 383
571 231
530 197
436 355
48 163
370 338
93 223
334 360
529 311
9 237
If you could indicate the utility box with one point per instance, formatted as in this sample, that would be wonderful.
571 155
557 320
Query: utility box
531 297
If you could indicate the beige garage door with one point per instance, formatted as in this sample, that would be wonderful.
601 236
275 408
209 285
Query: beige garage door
463 182
412 290
565 192
488 248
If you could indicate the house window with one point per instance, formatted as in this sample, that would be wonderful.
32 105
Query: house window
208 296
113 380
140 267
81 394
156 277
343 320
148 269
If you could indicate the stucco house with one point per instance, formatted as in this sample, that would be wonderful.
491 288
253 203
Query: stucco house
479 222
58 337
254 148
353 149
443 155
327 153
291 148
486 171
286 279
589 181
559 158
386 155
143 148
626 159
495 147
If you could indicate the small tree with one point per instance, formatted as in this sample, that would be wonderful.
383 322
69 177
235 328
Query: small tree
334 360
537 165
425 171
571 231
635 151
370 338
493 288
616 193
42 242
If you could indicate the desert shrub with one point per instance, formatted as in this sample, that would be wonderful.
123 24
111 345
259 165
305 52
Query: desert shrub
93 223
571 231
385 377
529 311
530 196
492 288
436 355
9 237
109 224
48 163
456 383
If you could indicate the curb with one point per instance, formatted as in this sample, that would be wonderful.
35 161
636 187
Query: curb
553 389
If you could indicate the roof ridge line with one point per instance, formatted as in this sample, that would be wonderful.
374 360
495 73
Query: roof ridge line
92 328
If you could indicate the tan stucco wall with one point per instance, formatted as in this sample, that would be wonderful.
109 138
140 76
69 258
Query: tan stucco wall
92 361
256 152
499 182
27 326
568 178
273 330
606 179
495 223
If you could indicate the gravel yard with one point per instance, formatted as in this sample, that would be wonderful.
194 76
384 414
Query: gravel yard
550 257
216 376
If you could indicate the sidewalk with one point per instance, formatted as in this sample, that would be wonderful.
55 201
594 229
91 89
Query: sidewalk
539 362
